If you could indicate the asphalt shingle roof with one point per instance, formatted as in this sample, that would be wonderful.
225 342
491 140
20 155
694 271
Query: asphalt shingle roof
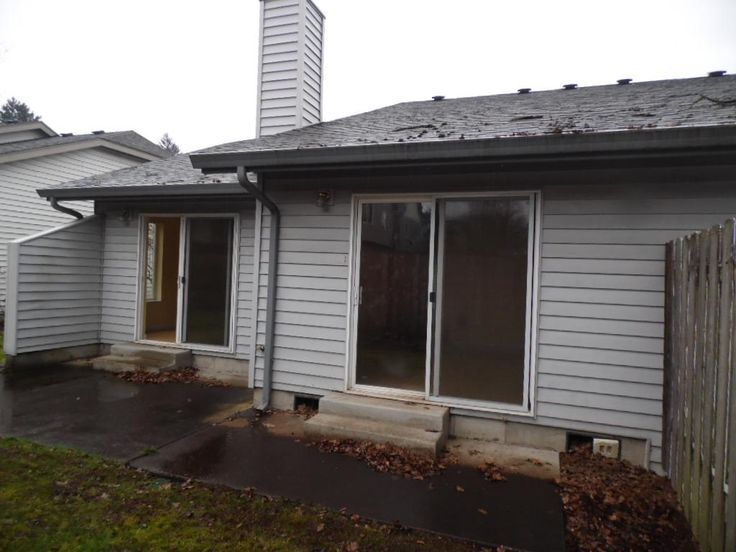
705 101
174 171
126 138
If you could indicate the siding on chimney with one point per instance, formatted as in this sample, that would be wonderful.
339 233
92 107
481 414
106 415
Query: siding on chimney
290 68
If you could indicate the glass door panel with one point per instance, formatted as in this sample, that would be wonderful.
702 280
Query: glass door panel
482 281
161 278
392 297
208 281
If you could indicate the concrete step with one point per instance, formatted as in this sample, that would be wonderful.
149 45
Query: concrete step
394 412
160 356
330 426
534 462
118 363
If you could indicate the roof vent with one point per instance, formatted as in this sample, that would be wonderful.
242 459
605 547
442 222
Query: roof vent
438 98
524 90
98 132
623 81
716 73
569 86
66 134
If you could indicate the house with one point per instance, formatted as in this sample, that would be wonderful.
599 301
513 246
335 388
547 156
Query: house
32 156
498 258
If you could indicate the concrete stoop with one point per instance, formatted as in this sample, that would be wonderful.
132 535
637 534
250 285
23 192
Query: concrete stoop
414 426
128 357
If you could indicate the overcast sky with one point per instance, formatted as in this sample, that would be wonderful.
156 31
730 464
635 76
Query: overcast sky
189 67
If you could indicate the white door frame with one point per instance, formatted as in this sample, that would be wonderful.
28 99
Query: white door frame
528 406
180 310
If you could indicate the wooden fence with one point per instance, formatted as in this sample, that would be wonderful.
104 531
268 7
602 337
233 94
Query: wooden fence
700 382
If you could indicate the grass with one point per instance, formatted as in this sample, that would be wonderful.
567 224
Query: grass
61 499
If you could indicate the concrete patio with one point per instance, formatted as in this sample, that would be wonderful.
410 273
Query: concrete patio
189 431
98 412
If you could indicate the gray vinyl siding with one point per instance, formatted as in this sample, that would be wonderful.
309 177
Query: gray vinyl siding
120 281
311 306
58 288
290 68
312 93
21 135
244 312
23 212
601 321
601 303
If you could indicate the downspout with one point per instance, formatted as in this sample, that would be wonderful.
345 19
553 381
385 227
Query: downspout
273 259
66 210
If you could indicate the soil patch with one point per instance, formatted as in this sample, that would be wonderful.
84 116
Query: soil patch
613 505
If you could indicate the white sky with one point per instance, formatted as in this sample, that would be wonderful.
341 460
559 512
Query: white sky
189 68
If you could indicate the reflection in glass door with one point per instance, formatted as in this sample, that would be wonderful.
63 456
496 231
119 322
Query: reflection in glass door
392 295
208 281
483 287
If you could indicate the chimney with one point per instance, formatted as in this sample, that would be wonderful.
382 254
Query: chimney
289 66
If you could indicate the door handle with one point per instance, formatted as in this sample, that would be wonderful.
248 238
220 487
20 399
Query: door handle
360 295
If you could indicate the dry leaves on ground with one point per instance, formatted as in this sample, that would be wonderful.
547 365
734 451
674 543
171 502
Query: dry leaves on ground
492 472
612 505
305 412
178 375
388 458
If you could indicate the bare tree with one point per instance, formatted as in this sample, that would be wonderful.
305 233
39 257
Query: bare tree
167 142
15 111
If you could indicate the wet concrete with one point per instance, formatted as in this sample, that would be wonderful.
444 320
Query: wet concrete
521 512
100 413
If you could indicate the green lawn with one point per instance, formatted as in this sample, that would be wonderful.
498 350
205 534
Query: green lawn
61 499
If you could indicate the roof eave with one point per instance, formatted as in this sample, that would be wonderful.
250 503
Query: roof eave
105 192
31 125
586 144
56 149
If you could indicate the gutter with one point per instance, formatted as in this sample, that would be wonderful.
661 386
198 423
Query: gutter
273 259
66 210
148 191
559 147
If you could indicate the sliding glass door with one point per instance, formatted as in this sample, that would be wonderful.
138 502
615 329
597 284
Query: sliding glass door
187 279
483 290
392 295
443 295
208 281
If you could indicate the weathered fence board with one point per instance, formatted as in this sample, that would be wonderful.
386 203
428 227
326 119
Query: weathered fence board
700 382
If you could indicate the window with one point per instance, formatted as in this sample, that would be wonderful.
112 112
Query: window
154 260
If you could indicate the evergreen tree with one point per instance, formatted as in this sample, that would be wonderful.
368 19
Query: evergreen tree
167 142
15 111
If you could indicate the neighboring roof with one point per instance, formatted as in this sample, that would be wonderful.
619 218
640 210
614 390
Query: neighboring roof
6 128
128 141
666 104
151 177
